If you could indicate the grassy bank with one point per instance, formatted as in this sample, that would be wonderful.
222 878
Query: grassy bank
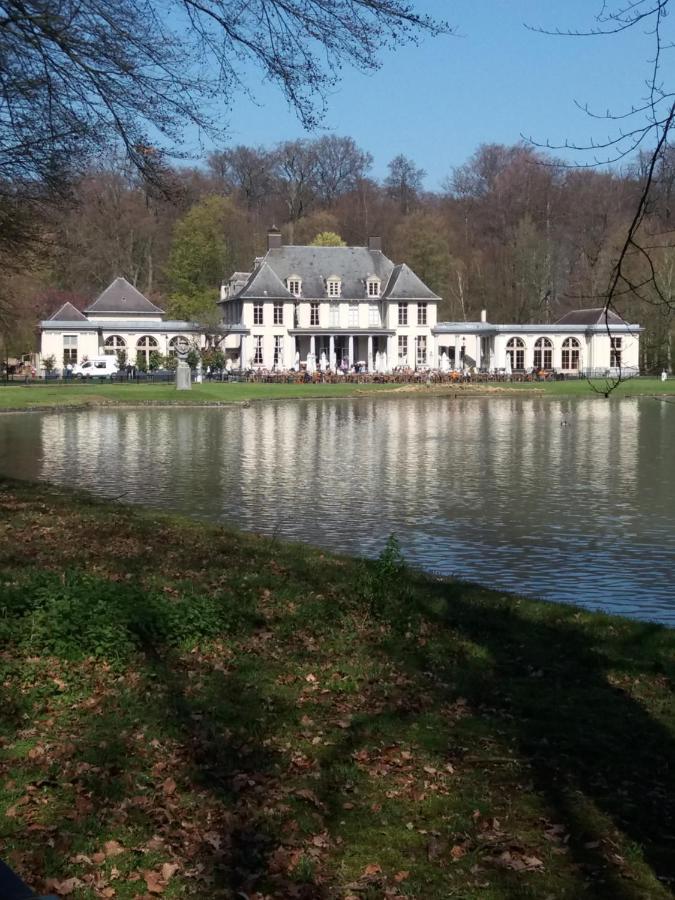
188 711
44 396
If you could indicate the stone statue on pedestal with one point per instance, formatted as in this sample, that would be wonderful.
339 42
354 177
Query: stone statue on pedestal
183 374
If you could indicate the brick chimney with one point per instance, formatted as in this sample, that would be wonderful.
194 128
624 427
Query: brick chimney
375 243
273 238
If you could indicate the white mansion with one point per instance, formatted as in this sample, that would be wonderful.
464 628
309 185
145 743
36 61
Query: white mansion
339 307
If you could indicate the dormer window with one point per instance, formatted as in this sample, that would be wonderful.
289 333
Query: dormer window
333 286
294 285
373 286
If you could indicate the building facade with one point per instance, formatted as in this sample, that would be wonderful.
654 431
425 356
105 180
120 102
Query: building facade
339 308
587 341
353 306
120 318
336 306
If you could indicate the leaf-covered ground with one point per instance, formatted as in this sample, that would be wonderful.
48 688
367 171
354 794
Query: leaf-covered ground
188 711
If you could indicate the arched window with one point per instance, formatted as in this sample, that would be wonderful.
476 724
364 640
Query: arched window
570 354
113 343
173 342
543 353
144 347
516 350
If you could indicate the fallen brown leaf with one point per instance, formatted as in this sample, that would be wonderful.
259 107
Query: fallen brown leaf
169 787
371 869
154 882
63 887
112 848
169 870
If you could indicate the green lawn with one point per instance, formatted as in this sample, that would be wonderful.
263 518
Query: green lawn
633 387
81 394
190 711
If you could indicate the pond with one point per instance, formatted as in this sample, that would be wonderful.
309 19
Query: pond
569 500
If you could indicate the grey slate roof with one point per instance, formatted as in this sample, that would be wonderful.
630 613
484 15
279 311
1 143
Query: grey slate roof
263 284
313 265
140 326
484 328
67 313
122 297
405 285
595 316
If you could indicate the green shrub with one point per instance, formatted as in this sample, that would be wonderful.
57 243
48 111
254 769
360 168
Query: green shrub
390 563
78 615
382 578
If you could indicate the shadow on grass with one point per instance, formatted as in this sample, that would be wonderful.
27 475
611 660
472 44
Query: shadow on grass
107 778
563 692
594 752
227 731
215 817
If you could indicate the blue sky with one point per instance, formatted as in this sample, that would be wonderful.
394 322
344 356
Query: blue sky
492 82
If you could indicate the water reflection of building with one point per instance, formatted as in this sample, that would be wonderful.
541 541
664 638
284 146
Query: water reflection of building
404 461
563 498
337 464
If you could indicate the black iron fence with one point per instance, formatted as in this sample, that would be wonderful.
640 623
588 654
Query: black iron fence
266 376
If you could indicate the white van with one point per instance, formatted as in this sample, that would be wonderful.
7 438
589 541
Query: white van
97 367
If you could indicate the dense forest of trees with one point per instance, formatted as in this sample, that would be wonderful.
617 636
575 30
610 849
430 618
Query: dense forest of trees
512 231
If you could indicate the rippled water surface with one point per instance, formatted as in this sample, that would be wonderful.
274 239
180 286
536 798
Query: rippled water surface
567 500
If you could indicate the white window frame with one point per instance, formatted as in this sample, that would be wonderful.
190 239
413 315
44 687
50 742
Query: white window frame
402 313
373 287
258 313
615 352
278 349
314 315
403 348
145 345
335 315
421 313
570 354
294 285
515 348
421 350
543 353
278 316
374 314
69 349
334 287
258 350
353 316
113 343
